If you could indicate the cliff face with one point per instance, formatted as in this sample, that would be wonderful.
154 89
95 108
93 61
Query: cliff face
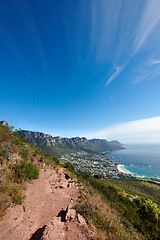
59 146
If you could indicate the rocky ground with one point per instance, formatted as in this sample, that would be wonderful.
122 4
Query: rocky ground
47 212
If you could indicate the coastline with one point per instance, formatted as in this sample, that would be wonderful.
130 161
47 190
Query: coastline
120 168
139 161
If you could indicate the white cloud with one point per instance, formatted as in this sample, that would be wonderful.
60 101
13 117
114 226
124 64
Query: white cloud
55 134
147 70
154 62
149 20
117 70
140 131
141 78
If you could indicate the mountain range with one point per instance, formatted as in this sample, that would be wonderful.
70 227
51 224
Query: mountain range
59 146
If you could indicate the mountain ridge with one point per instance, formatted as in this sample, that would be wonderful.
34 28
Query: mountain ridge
59 146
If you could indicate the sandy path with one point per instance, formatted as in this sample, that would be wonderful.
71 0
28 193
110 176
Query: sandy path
44 200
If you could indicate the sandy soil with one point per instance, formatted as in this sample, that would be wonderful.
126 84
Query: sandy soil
46 198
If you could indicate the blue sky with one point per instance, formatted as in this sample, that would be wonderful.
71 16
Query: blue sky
92 66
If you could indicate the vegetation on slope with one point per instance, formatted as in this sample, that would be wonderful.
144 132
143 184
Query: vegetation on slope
19 161
133 204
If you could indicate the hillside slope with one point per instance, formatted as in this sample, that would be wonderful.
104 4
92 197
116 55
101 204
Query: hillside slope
37 197
36 194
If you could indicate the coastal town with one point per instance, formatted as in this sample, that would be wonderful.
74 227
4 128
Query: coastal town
95 164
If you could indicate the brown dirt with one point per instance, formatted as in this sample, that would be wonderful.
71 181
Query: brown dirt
46 198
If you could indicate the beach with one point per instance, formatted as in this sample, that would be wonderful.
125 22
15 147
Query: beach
141 160
120 168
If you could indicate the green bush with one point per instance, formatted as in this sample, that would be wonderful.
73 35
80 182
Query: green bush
52 160
17 142
25 171
69 166
25 153
56 160
4 154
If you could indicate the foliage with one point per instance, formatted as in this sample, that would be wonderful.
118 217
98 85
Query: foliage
25 153
25 170
9 193
18 142
69 166
139 213
16 195
56 160
4 154
88 211
150 218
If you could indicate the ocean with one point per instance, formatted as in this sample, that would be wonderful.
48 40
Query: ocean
141 160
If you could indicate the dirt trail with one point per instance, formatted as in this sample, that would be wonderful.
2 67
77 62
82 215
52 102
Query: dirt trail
46 202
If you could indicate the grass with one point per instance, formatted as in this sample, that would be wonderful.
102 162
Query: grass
24 171
103 220
10 194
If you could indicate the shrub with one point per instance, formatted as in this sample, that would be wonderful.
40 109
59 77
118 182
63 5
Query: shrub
69 166
86 210
1 160
25 153
56 160
25 171
4 154
91 213
52 160
17 142
9 194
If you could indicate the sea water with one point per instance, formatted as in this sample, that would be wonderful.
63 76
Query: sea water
141 160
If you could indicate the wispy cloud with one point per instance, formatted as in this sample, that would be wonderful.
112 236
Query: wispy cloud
150 18
119 31
147 70
153 62
140 131
140 23
115 73
141 78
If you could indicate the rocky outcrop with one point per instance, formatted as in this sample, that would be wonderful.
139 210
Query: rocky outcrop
71 213
81 220
56 229
6 125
